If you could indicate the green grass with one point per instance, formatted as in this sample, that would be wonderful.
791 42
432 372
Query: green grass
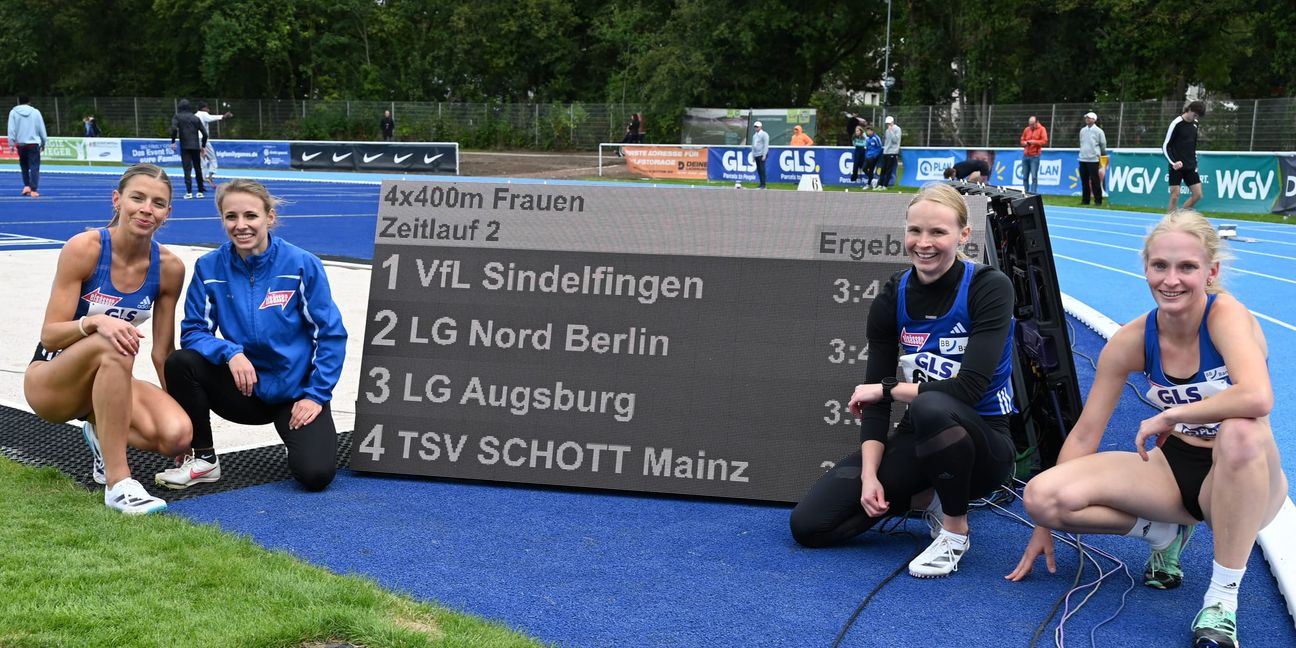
73 573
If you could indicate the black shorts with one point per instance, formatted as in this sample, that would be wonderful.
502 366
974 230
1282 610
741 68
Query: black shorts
1189 464
43 355
1184 175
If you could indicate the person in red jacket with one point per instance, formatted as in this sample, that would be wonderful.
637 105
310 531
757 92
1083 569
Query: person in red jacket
1034 138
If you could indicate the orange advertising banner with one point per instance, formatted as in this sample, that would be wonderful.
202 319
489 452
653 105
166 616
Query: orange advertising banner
667 161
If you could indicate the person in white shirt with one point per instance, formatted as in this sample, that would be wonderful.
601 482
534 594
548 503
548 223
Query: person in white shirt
209 164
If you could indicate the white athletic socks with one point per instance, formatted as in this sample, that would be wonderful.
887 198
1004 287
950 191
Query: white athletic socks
1224 587
1157 534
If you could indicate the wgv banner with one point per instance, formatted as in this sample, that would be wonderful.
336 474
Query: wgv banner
1285 203
1248 184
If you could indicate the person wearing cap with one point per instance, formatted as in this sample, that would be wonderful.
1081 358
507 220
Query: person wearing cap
1093 145
759 151
1033 140
799 138
890 153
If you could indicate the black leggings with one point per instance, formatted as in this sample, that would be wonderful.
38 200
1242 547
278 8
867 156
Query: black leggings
202 387
941 443
191 159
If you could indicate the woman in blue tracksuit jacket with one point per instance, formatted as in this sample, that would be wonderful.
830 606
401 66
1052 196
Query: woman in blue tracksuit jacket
280 350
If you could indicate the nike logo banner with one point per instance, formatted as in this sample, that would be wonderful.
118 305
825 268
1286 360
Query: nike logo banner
434 157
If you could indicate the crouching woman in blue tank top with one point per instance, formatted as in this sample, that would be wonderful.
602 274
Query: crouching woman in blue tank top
1204 356
109 281
946 325
280 349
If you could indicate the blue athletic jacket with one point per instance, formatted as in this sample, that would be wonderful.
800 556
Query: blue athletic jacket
275 308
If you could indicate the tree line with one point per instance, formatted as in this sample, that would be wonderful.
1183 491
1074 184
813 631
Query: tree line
663 55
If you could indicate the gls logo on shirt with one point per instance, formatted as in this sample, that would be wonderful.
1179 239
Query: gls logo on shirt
278 298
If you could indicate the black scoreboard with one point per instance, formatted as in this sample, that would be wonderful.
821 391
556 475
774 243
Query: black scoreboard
694 341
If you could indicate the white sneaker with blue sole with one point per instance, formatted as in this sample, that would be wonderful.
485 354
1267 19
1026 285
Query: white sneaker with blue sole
129 497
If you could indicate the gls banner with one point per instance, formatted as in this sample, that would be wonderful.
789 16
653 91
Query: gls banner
1230 182
1285 203
433 157
784 164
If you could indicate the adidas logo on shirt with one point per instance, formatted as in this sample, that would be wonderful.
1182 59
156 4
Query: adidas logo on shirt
146 303
958 329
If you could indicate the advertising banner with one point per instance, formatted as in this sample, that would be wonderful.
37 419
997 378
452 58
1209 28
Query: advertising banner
252 154
921 166
432 157
67 149
666 161
1248 184
151 151
784 164
732 126
103 149
1285 203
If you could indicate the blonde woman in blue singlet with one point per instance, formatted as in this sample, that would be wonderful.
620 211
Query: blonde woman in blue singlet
1204 356
108 282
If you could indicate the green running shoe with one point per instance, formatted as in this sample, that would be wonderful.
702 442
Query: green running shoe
1162 570
1215 627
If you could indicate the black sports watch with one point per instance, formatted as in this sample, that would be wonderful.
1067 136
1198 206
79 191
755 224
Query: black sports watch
888 384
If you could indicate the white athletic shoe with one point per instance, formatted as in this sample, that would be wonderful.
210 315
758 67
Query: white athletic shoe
190 471
129 497
97 471
941 558
200 194
188 196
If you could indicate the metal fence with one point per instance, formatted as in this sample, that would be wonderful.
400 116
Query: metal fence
473 125
1239 125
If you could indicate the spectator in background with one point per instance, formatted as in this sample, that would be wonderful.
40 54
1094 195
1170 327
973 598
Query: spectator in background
641 129
872 155
860 141
799 138
209 164
759 151
1093 145
192 133
388 126
971 170
853 121
27 135
1180 148
91 129
890 153
1033 139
